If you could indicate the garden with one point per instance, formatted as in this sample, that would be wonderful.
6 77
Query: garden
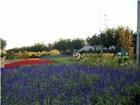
75 84
51 75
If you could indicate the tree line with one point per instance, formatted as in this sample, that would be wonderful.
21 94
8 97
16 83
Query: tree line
117 38
65 46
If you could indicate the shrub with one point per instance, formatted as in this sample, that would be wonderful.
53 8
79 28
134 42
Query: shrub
105 59
11 55
107 55
54 52
30 54
25 54
134 91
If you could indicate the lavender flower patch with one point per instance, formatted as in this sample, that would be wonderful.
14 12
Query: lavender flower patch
69 85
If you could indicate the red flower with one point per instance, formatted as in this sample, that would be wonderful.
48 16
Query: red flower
27 62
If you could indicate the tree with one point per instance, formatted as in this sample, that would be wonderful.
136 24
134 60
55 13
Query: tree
2 44
76 44
67 46
36 47
134 41
39 47
50 46
94 40
108 38
62 45
125 39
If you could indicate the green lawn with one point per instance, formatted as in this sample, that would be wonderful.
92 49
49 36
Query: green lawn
61 59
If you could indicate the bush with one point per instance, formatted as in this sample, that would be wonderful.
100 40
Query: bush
11 55
134 91
25 55
105 59
30 54
54 52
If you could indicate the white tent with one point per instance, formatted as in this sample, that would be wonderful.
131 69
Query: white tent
87 48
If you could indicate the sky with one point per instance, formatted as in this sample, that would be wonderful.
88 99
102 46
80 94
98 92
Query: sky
25 22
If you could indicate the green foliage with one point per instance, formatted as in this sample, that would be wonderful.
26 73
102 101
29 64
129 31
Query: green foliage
67 46
105 59
108 37
122 60
2 47
125 39
57 101
94 40
121 37
76 44
134 91
2 43
87 79
36 102
134 41
37 47
76 100
11 55
62 45
25 54
61 59
106 99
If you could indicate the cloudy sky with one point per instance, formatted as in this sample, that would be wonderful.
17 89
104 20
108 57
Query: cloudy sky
24 22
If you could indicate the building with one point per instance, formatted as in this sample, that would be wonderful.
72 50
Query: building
90 48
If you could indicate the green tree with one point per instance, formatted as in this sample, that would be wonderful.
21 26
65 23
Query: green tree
62 45
38 47
77 44
94 40
134 41
67 46
3 43
108 38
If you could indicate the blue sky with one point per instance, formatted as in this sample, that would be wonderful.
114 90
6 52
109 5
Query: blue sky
24 22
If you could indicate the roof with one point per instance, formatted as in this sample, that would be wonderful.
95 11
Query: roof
87 48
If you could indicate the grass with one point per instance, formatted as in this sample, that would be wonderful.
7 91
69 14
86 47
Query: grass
62 59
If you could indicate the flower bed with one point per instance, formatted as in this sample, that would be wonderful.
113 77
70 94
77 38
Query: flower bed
70 85
27 62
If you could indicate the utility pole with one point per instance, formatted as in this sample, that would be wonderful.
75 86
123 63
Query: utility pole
103 17
138 34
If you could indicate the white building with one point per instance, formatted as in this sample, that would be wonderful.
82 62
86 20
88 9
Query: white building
91 48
